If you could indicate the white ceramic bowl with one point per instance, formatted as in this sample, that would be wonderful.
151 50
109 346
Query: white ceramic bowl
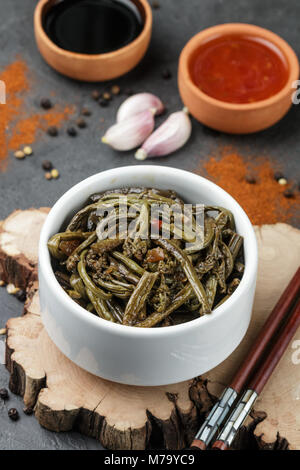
138 356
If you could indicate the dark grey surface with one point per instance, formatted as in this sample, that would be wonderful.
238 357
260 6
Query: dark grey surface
23 184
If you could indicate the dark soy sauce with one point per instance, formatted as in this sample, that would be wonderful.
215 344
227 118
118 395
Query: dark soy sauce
93 26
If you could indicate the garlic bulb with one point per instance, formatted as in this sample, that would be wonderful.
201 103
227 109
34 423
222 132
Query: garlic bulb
138 103
129 134
167 138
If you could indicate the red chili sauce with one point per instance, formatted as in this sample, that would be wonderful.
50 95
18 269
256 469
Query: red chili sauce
239 69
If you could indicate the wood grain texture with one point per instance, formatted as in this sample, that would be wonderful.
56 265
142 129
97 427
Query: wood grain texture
279 258
66 397
19 235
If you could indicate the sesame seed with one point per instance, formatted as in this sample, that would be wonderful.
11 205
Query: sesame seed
19 154
12 289
115 89
106 96
54 173
27 150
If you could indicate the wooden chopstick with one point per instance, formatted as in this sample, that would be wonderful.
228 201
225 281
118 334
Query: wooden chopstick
221 409
270 327
257 383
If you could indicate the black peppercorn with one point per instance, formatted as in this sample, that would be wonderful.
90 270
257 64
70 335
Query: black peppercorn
86 112
166 74
278 175
95 95
250 179
106 96
13 414
288 193
103 102
47 165
45 103
52 131
21 295
81 123
72 131
28 410
4 393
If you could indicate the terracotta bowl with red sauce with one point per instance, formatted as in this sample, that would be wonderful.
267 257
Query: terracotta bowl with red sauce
237 78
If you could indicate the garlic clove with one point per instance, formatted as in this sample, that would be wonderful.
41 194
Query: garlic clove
167 138
129 134
138 103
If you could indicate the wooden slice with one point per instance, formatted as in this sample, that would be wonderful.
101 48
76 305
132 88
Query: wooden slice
66 397
19 235
279 259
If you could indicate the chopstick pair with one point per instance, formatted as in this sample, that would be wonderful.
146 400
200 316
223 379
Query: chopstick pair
256 369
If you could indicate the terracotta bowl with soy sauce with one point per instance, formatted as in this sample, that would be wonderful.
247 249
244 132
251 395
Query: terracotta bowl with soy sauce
93 40
237 78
